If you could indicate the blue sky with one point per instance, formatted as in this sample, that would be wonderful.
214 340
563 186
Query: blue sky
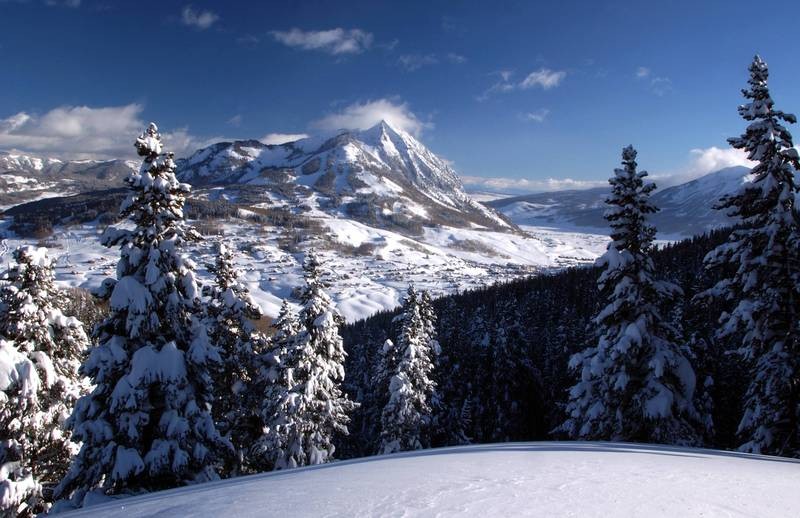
523 91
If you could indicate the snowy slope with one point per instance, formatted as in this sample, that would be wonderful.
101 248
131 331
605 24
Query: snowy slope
444 260
371 175
518 479
686 209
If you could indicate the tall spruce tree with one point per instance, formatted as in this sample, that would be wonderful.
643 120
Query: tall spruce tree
762 261
230 312
408 411
40 354
147 424
274 381
636 383
311 407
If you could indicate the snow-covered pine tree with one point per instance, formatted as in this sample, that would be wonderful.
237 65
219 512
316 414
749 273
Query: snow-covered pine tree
40 355
636 383
229 313
311 406
408 411
762 259
147 424
275 380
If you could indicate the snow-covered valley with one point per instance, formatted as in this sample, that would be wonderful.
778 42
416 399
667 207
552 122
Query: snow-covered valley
511 479
369 274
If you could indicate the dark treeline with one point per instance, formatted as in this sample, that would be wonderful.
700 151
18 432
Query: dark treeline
535 325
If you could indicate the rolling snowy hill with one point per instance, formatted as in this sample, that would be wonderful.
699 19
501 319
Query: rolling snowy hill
548 479
686 209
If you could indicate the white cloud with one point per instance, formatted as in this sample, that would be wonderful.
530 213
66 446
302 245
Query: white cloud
536 116
642 72
281 138
544 78
524 185
74 131
413 62
334 41
365 115
702 161
708 160
236 120
77 132
201 20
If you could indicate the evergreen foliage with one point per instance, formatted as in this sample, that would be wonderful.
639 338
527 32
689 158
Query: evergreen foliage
147 424
406 417
309 407
229 314
637 383
40 353
760 279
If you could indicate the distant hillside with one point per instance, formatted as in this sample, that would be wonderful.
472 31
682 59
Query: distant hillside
686 209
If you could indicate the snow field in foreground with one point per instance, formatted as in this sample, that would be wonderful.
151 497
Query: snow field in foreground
547 479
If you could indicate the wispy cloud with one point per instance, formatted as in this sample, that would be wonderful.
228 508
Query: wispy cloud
452 57
236 120
74 4
539 115
524 186
199 19
282 138
367 114
334 41
413 62
75 132
543 78
659 85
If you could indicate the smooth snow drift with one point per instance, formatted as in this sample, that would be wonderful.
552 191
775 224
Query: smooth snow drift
545 479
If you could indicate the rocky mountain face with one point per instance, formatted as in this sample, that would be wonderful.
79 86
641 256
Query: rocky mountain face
377 176
686 209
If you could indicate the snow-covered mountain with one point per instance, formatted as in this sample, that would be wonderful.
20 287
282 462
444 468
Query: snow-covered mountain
508 479
381 173
54 168
686 209
25 177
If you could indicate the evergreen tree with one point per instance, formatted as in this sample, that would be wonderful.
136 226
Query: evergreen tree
275 381
407 414
762 262
230 312
636 384
39 382
511 376
147 424
311 407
